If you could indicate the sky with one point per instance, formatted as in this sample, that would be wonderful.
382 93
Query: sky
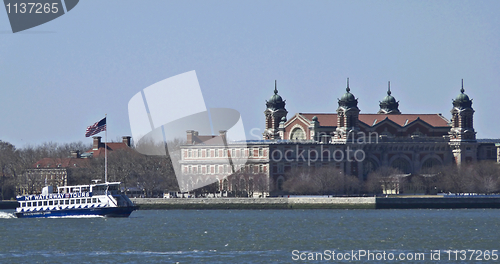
60 77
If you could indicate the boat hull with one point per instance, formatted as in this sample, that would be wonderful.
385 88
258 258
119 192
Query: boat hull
103 211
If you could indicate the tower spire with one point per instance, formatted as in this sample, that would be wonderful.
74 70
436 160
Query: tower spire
389 88
275 87
462 90
348 89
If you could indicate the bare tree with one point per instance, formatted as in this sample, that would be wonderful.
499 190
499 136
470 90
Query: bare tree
325 181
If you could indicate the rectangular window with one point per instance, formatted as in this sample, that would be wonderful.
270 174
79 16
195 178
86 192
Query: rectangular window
66 202
190 154
216 169
216 153
84 200
250 152
89 200
72 201
45 203
261 153
51 202
23 204
199 153
261 168
29 204
94 200
77 201
40 203
56 202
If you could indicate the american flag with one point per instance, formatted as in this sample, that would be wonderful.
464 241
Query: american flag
96 128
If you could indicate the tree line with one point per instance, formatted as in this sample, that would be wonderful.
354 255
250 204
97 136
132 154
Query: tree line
153 174
480 177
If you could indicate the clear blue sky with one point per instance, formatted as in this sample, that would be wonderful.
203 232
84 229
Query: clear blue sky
60 77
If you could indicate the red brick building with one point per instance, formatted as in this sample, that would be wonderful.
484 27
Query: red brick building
58 171
357 143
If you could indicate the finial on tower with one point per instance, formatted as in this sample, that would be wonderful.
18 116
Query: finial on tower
348 89
275 87
462 90
389 88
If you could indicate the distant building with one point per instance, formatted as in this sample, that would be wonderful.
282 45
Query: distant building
354 142
58 171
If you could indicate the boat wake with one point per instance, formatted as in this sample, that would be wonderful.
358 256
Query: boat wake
5 215
77 216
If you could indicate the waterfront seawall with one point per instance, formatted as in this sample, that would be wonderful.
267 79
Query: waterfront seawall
437 202
257 203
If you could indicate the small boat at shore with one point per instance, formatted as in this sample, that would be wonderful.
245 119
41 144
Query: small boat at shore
99 199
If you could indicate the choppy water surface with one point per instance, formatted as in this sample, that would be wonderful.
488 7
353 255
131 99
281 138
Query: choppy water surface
247 236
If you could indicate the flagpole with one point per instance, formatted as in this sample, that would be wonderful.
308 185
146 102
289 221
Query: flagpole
106 151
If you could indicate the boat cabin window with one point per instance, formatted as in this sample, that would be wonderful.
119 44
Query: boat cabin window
40 203
85 189
99 189
66 202
23 204
114 189
72 201
51 202
44 202
75 189
94 200
88 200
29 204
77 201
55 202
84 200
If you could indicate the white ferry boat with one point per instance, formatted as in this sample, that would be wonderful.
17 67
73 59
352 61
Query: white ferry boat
100 199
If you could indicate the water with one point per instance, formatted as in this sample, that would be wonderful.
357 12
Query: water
247 236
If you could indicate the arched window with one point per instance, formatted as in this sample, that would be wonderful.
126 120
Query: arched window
455 120
298 134
217 185
402 164
429 163
369 165
269 121
341 122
